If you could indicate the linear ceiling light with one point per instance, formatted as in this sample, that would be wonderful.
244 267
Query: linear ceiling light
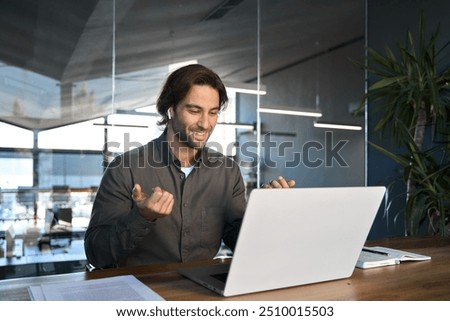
304 113
239 125
246 88
337 126
120 125
123 118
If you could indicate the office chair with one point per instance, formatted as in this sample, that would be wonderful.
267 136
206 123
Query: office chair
60 195
27 198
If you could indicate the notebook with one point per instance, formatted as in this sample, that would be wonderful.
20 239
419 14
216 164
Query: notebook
292 237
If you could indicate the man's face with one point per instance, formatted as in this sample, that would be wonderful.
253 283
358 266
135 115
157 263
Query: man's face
195 117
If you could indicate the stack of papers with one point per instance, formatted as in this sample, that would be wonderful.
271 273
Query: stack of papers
377 256
118 288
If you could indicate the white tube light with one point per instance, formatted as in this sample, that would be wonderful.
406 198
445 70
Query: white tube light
246 88
303 113
238 125
120 125
337 126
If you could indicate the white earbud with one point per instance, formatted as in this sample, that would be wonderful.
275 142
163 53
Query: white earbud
169 113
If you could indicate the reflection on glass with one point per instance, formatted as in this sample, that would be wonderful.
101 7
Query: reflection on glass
63 74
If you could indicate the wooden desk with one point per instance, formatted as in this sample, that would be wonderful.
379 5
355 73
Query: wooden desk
428 280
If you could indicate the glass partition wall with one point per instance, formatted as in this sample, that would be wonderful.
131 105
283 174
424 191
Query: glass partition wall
308 131
79 82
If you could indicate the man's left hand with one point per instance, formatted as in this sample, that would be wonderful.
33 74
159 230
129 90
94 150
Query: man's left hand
280 182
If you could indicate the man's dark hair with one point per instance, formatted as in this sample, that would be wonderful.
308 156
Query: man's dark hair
180 82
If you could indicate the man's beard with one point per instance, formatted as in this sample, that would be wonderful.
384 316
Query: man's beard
188 140
185 139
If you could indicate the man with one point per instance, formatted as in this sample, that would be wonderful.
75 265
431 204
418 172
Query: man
172 200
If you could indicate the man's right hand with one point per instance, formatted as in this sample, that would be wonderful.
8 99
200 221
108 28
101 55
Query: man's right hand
151 207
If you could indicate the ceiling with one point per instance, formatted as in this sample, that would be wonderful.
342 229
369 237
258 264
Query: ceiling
57 58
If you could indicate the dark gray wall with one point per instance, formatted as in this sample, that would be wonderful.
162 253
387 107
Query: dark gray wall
388 22
291 145
339 85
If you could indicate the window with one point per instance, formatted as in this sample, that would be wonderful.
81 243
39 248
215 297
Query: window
15 137
16 169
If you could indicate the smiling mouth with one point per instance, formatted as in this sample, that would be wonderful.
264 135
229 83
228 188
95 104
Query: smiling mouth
200 135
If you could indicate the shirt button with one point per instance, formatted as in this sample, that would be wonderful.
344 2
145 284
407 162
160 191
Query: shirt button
185 204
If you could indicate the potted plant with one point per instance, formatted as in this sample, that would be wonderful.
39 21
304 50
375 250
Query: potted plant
412 97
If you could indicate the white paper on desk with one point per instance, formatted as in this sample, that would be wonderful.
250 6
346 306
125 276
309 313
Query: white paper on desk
117 288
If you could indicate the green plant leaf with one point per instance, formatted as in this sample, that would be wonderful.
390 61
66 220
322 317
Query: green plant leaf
412 91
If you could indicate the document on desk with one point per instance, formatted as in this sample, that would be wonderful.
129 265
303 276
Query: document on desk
117 288
377 256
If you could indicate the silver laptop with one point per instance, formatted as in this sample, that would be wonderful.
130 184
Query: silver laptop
297 236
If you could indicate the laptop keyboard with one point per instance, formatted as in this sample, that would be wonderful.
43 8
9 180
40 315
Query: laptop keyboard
220 276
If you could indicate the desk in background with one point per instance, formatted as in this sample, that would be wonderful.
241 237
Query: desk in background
427 280
43 245
37 251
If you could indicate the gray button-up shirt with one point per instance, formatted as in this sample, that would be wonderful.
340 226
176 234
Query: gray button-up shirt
209 206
